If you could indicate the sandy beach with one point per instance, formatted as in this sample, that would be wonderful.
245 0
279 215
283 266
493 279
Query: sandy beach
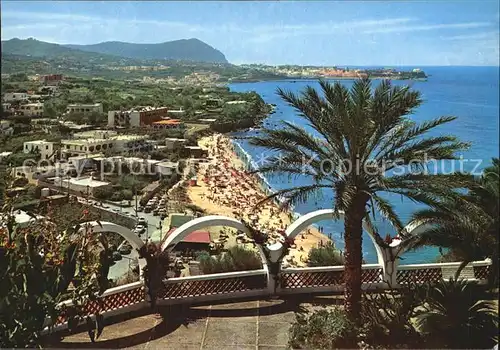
225 188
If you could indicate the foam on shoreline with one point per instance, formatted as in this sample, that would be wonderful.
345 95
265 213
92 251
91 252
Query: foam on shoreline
250 164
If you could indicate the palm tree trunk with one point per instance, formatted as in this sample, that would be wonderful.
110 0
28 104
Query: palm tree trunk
460 268
353 226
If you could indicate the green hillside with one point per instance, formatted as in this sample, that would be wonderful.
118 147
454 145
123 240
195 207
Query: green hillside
182 50
35 48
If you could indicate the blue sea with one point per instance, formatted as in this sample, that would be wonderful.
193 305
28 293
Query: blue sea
470 93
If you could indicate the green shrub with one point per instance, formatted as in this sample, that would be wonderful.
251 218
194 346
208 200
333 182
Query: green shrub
388 317
116 196
235 259
323 329
326 255
455 315
103 193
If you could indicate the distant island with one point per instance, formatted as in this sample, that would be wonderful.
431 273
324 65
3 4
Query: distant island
313 72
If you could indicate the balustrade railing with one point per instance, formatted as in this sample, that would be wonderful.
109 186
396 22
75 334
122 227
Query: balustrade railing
210 287
319 279
242 284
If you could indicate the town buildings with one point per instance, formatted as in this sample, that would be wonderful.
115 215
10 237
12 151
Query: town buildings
45 148
142 116
52 79
172 143
116 144
31 109
15 97
6 128
83 185
85 108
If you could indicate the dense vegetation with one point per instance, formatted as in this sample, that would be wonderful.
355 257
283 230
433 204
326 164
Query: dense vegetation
182 50
235 259
445 315
326 255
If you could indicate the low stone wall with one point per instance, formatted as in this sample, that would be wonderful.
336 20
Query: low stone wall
247 284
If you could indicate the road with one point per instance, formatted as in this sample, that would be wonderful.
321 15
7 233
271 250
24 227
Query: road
153 234
121 267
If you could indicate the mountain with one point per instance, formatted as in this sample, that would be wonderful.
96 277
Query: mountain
35 48
182 50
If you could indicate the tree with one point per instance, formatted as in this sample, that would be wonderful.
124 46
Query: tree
363 144
466 225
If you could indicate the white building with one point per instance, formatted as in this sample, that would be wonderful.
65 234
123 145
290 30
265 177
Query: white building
116 144
31 109
45 148
131 143
6 128
83 185
236 102
85 146
15 96
172 143
141 116
84 108
82 162
167 168
95 134
176 113
24 219
4 155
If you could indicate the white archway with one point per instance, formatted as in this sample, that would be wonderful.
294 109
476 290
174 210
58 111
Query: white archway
212 220
104 226
415 229
327 214
132 238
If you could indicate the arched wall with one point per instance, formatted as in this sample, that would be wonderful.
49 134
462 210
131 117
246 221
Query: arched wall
206 221
105 226
126 233
308 219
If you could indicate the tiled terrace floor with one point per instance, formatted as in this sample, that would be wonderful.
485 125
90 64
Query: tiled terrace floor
261 324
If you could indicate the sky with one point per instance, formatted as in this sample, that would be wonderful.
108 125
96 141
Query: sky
356 33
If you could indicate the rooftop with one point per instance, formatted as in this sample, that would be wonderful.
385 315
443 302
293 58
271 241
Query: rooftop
87 156
23 217
39 142
85 105
129 137
194 237
175 139
168 164
177 220
86 181
168 122
140 109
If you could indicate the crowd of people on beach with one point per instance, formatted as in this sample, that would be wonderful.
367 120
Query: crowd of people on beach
228 187
231 186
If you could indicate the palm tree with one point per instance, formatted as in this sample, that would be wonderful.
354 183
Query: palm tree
467 225
370 129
